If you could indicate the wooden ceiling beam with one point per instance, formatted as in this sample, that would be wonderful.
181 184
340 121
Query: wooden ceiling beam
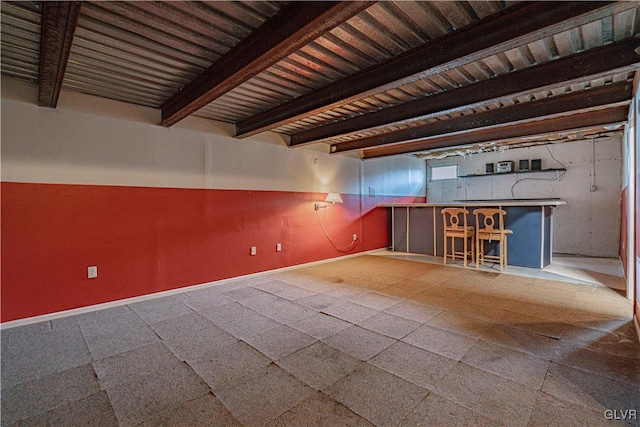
295 25
58 25
514 27
598 97
589 119
589 65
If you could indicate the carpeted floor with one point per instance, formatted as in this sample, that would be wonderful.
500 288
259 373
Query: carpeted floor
364 341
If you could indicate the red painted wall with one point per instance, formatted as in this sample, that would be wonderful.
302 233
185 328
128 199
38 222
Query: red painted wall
147 240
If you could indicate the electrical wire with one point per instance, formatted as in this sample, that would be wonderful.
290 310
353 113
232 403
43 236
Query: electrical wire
518 181
554 158
342 250
402 242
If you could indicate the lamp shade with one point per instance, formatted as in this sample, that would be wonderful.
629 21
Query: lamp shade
333 198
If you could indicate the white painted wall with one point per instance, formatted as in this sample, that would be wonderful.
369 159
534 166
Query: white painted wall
627 247
590 222
89 140
394 176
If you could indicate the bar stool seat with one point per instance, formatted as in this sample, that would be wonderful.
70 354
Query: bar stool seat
487 230
456 227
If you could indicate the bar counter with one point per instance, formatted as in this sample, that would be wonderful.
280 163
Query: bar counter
418 228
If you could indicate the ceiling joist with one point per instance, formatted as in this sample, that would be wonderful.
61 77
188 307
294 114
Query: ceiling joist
589 65
379 78
294 26
574 122
58 25
599 97
516 26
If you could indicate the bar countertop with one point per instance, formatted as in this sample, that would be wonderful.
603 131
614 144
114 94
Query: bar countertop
496 202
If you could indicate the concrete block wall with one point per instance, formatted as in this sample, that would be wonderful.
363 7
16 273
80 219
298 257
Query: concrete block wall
590 222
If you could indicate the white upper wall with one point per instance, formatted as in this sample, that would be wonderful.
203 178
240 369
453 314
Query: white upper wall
394 176
90 140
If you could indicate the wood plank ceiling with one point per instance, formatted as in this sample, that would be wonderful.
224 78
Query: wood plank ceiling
372 78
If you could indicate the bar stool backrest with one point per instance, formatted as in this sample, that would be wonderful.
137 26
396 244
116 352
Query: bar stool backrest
452 217
486 219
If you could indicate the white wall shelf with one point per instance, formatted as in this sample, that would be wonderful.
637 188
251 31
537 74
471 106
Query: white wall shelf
557 170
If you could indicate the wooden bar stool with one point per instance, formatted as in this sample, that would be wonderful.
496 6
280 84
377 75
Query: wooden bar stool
455 227
489 231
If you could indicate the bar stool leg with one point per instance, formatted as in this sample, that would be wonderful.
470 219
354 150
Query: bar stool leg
464 255
503 251
473 248
445 248
453 249
503 259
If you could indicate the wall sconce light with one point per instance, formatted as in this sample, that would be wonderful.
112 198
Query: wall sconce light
332 198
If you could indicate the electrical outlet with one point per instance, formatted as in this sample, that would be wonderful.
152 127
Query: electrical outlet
92 272
253 250
355 236
278 247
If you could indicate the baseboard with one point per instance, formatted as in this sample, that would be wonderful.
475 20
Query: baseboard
102 306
